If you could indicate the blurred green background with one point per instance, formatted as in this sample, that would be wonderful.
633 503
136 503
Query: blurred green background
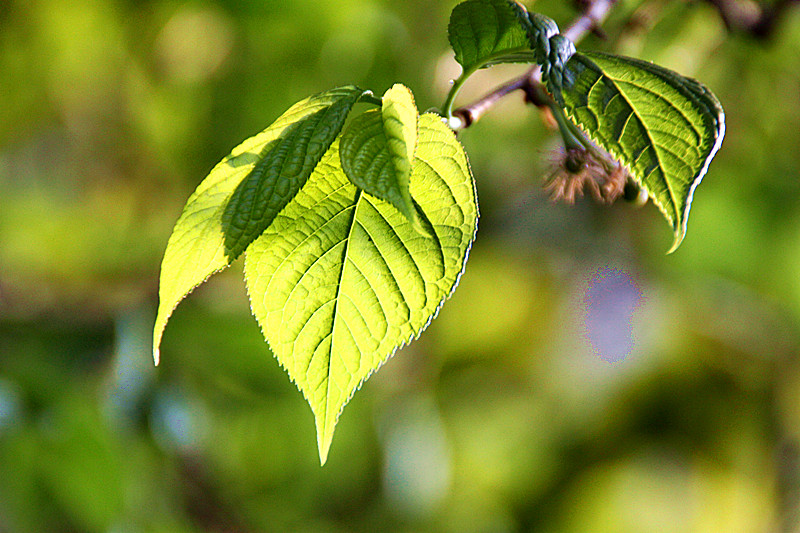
578 380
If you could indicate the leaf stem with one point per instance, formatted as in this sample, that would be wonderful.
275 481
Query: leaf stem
369 98
571 140
447 107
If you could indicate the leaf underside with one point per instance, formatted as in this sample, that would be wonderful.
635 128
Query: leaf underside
488 32
663 127
243 193
341 279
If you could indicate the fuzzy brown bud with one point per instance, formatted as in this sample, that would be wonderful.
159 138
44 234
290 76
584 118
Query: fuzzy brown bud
578 170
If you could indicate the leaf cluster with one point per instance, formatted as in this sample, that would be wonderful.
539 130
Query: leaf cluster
353 235
356 227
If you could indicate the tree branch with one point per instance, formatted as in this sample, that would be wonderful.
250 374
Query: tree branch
593 14
758 20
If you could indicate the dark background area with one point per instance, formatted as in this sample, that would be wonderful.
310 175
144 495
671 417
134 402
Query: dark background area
578 380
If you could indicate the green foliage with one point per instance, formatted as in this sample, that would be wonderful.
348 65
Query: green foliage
504 415
664 127
342 279
243 194
489 32
283 164
355 235
377 151
338 280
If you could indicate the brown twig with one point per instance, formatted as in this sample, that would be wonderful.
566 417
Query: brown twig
593 14
472 112
759 20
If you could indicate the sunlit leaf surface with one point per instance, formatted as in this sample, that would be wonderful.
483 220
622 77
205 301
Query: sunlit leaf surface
341 279
244 192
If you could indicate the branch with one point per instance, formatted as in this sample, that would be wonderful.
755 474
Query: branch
594 13
758 20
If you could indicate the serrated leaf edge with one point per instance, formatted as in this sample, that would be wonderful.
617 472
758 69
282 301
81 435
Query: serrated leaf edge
284 120
324 445
680 224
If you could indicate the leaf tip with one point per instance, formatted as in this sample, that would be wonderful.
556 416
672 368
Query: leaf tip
323 453
679 235
324 438
157 334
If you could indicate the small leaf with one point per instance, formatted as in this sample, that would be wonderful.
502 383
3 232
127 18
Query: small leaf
341 279
400 117
244 192
377 151
487 32
663 127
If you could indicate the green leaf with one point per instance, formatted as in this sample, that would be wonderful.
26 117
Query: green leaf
244 192
341 279
487 32
283 167
663 127
377 151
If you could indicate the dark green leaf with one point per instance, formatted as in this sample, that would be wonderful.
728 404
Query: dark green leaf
487 32
282 168
377 151
665 128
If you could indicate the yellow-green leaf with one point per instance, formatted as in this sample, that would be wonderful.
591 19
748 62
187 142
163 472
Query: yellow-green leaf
244 192
341 279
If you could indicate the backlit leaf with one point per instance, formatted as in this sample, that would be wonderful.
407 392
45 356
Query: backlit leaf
244 192
341 279
377 151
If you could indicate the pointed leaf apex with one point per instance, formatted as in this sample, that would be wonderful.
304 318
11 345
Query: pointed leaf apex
324 437
665 128
324 446
677 242
158 334
332 319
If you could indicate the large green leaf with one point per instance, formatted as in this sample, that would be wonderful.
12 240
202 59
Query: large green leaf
663 127
377 151
487 32
341 279
244 192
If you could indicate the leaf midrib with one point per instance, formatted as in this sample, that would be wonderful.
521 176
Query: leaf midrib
672 195
346 258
